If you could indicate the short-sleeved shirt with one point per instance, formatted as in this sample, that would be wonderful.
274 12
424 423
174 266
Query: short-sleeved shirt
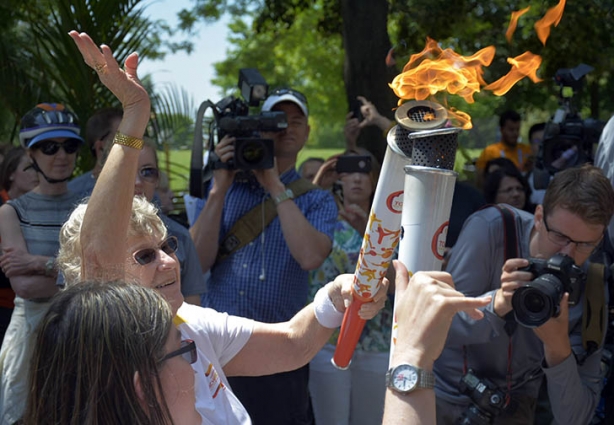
235 286
218 338
518 154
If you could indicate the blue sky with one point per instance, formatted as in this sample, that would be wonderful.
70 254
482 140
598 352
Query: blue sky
192 72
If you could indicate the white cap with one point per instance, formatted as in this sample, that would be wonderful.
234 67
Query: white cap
286 95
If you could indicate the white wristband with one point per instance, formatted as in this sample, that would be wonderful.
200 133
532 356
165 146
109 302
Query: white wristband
324 309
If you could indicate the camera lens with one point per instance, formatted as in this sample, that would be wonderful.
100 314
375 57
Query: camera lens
252 153
534 302
538 301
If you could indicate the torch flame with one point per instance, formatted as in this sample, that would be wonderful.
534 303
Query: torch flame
514 23
552 17
525 65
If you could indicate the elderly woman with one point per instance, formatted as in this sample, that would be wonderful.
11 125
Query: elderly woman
121 237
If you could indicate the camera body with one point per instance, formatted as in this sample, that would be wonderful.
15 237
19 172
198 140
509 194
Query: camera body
487 401
568 139
232 118
539 300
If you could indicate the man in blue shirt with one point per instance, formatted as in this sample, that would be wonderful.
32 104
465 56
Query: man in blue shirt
267 279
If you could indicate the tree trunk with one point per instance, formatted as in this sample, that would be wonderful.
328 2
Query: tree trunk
366 42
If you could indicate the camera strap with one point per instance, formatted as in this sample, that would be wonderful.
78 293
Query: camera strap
594 310
252 223
510 246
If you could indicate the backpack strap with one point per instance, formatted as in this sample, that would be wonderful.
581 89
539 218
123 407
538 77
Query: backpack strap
253 222
594 314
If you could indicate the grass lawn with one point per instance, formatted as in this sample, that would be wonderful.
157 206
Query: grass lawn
179 163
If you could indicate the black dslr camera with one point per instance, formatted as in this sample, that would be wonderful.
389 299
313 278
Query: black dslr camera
540 299
487 401
568 139
231 116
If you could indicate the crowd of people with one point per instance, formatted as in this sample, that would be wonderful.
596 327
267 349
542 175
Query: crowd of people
111 312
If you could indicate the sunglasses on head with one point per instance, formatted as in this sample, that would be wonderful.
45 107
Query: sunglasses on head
51 147
300 96
187 351
148 255
149 174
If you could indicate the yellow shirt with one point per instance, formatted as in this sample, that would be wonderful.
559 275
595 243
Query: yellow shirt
518 154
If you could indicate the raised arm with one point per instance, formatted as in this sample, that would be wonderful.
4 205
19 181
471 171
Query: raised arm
106 221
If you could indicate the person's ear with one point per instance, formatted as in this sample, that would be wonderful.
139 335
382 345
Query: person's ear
539 216
138 387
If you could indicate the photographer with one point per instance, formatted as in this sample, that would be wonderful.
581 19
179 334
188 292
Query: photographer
266 279
577 207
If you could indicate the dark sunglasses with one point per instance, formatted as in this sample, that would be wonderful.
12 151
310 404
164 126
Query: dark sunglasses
300 96
148 255
187 351
51 147
149 174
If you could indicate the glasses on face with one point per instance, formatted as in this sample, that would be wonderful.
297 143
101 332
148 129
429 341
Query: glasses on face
562 240
148 255
300 96
187 351
149 174
511 189
51 147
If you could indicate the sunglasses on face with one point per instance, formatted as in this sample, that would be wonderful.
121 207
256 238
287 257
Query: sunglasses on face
187 351
148 255
149 174
51 147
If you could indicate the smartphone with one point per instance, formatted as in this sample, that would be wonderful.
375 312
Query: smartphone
355 110
353 164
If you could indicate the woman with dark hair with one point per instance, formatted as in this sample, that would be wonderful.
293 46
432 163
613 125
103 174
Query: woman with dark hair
17 176
508 186
108 353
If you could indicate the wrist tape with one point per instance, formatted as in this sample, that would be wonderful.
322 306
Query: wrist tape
324 309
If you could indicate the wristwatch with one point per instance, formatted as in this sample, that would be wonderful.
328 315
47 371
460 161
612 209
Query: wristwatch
50 267
283 196
405 378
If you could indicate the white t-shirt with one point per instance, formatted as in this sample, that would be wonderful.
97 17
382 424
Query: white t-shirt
218 337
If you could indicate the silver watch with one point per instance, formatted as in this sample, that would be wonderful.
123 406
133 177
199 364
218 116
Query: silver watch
283 196
405 378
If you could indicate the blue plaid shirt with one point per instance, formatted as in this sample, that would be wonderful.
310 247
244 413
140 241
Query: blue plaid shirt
235 287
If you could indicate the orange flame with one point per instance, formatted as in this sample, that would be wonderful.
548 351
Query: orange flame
514 23
437 70
552 17
525 65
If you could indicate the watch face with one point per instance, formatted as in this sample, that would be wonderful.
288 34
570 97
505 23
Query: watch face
404 377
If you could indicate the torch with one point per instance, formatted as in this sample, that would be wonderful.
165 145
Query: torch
384 225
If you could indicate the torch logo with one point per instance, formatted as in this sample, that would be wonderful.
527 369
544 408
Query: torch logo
395 202
438 243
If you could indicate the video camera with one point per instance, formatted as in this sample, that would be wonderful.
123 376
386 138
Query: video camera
231 117
568 139
540 299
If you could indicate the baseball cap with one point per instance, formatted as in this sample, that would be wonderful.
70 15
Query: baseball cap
286 95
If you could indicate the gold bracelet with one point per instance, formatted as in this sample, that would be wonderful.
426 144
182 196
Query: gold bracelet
131 142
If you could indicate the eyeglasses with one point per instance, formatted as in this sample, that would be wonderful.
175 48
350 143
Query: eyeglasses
281 91
187 351
148 255
149 174
51 147
562 240
511 189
